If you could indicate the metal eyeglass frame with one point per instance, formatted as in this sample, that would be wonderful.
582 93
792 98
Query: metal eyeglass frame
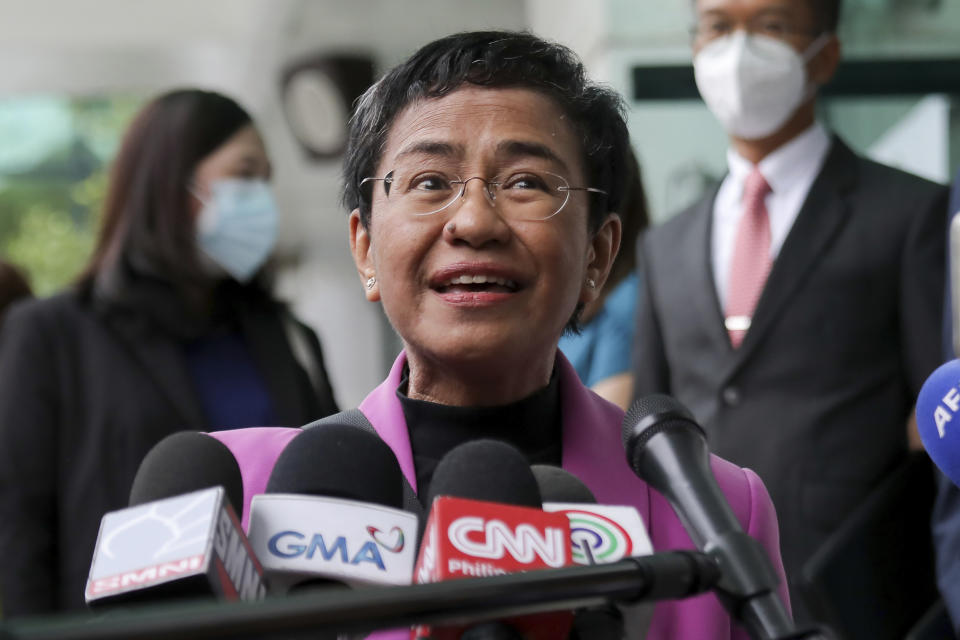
387 179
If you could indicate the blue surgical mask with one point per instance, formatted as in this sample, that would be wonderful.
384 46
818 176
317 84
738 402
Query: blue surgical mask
237 227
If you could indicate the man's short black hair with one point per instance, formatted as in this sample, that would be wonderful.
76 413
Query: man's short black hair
826 14
495 59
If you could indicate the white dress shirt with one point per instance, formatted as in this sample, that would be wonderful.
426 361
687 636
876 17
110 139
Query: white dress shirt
790 172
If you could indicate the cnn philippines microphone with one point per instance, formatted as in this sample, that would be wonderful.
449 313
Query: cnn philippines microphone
331 514
486 519
180 536
668 450
938 406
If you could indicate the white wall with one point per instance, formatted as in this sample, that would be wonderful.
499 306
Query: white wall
240 47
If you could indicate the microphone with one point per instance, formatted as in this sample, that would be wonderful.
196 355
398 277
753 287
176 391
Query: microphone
599 534
938 404
180 536
668 450
332 513
486 519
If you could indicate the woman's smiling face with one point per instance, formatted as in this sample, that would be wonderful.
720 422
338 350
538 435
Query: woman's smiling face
471 284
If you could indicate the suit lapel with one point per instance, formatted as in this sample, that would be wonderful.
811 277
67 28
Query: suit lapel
822 215
164 364
697 257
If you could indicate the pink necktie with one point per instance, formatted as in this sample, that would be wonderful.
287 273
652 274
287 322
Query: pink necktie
751 258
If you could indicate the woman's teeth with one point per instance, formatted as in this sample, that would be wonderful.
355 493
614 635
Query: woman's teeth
481 279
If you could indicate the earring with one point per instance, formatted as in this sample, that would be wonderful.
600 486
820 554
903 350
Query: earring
372 280
591 283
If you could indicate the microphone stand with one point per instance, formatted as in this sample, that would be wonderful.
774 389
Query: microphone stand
668 575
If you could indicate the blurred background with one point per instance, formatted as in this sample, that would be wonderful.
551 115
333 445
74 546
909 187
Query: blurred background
73 73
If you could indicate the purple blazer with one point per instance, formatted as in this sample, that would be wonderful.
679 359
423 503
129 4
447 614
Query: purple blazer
592 451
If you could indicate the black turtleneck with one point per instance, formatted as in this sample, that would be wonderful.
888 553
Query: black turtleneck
532 425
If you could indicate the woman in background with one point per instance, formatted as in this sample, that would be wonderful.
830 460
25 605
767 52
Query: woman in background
170 327
599 349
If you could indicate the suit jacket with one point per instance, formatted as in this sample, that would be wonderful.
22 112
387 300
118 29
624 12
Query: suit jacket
83 397
816 398
592 450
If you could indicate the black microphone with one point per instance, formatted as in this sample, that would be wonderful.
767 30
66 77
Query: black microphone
487 470
668 450
606 621
559 485
332 514
180 537
489 484
183 462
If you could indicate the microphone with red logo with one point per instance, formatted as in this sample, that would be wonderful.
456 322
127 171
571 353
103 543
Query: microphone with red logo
180 536
599 534
486 520
332 514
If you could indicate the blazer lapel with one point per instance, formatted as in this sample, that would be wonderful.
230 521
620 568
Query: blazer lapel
821 217
164 364
697 255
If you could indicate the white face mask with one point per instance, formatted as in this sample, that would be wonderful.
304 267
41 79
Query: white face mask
753 83
237 227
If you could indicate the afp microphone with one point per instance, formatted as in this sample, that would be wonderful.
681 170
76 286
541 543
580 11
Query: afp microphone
938 422
485 520
332 513
180 536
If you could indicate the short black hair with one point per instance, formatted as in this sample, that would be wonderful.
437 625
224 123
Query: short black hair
826 14
494 59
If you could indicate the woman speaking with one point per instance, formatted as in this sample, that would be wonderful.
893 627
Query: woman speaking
483 176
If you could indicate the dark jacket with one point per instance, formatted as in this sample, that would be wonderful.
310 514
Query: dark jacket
85 392
817 397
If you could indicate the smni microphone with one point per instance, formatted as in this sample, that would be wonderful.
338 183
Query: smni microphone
332 513
485 519
938 416
180 536
667 449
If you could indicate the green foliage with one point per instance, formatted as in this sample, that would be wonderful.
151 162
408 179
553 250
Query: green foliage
49 212
51 247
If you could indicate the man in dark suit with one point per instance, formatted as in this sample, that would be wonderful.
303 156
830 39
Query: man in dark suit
796 308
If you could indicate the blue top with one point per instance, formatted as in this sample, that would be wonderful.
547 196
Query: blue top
231 390
603 347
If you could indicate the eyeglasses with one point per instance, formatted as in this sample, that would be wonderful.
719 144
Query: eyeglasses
712 27
521 195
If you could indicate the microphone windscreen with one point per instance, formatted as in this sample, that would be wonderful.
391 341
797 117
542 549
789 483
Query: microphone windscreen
184 462
938 422
487 470
339 461
652 408
559 485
